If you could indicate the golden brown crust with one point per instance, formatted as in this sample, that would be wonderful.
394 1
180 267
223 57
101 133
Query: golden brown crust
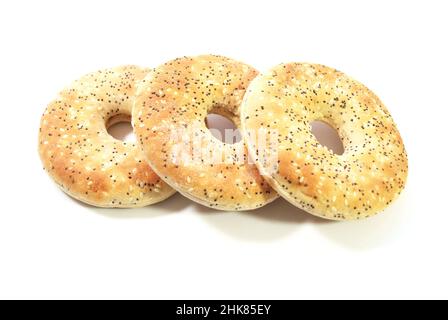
79 154
179 95
365 179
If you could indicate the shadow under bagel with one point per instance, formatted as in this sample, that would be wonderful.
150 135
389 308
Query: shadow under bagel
273 222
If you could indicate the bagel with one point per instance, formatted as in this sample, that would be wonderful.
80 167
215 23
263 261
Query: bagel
177 97
362 181
79 154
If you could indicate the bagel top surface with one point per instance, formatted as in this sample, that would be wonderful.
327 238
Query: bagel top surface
79 154
362 181
173 102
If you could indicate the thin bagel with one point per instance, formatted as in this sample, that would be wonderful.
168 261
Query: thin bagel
79 154
365 179
177 97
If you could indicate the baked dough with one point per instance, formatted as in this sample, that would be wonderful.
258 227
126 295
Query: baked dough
79 154
364 180
177 97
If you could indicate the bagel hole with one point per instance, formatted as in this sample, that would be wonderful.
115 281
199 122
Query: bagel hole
222 128
120 128
327 136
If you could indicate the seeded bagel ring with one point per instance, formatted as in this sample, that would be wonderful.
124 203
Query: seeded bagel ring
177 97
79 154
362 181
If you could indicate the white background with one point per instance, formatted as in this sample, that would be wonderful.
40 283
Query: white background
53 247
